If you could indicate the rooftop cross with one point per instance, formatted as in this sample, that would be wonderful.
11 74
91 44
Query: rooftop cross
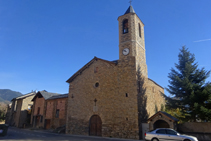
95 101
130 2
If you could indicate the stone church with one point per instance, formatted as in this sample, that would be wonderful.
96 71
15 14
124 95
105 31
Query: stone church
114 98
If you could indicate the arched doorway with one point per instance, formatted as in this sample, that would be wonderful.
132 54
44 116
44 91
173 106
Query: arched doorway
95 126
161 124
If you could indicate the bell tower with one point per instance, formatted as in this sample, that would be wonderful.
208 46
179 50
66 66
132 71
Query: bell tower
131 39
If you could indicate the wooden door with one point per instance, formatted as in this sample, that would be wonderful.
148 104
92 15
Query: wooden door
37 120
95 126
47 124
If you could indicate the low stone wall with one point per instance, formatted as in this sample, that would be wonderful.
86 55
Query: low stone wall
200 136
201 130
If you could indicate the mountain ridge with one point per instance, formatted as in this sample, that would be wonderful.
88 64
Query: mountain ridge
6 95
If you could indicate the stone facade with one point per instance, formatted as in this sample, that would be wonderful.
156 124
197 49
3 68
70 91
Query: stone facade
117 111
118 93
19 113
38 112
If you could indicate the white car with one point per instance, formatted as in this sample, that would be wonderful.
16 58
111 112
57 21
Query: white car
167 134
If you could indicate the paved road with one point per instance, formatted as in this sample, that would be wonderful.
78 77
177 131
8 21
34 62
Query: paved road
16 134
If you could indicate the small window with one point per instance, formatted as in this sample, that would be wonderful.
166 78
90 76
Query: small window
38 110
125 26
153 89
57 113
161 131
97 84
126 94
96 70
29 106
139 26
41 119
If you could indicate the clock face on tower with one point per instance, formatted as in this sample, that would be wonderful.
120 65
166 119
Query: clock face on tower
125 51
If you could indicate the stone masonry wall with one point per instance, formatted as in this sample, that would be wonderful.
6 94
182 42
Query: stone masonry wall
116 100
155 98
18 112
39 102
52 106
49 109
133 41
61 105
23 119
201 130
27 102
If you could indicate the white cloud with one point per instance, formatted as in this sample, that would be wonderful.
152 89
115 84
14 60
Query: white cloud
202 40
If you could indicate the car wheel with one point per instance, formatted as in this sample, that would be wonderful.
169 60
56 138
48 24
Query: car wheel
187 140
154 139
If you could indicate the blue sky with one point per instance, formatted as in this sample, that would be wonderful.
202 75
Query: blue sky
44 42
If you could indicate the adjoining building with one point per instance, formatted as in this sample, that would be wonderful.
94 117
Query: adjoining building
19 114
114 98
49 110
39 108
56 111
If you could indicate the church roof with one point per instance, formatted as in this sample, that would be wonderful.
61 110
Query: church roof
155 83
130 10
170 117
86 66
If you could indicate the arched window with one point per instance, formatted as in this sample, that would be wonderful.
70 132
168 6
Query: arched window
139 26
125 26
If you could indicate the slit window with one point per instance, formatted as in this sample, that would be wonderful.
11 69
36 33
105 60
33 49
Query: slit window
57 113
139 26
126 94
96 70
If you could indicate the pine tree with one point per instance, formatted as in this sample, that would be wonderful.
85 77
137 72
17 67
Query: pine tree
189 89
